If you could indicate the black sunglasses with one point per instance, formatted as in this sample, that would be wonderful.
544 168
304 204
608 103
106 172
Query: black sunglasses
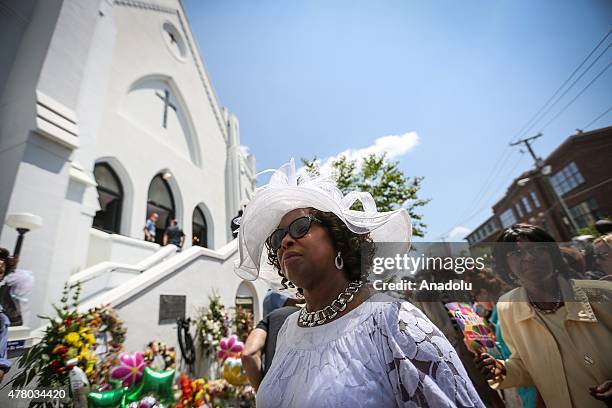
297 229
535 251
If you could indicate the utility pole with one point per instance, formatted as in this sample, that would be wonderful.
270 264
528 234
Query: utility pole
539 163
527 142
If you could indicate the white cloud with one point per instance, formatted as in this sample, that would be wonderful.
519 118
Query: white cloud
459 232
393 145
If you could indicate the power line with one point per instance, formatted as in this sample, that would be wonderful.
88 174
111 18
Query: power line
597 118
577 96
501 162
560 97
499 165
479 210
524 128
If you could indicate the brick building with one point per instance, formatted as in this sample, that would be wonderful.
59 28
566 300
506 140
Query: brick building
580 171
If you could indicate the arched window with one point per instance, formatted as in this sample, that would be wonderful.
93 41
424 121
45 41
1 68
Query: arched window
199 230
160 201
110 196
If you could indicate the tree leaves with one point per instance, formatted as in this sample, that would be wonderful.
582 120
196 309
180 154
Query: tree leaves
389 186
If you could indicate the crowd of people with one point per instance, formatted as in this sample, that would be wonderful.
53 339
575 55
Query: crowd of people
346 344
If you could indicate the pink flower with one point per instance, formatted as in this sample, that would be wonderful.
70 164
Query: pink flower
229 346
130 370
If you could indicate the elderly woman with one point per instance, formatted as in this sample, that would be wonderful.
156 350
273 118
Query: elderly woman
348 346
558 330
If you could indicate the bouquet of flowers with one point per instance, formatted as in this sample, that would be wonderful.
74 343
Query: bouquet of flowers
220 393
110 330
159 356
243 322
211 325
70 340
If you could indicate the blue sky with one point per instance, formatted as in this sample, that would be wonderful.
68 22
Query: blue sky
454 81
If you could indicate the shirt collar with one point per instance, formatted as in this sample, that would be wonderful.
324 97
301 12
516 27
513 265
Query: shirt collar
578 308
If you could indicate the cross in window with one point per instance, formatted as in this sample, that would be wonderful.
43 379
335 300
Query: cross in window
166 98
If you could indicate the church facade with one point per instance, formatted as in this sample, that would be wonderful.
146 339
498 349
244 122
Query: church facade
107 115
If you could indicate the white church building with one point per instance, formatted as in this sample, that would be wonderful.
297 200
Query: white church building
107 114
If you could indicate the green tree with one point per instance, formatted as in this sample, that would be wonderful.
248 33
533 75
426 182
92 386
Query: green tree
389 186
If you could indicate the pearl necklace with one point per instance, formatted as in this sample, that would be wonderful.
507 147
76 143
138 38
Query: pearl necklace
326 314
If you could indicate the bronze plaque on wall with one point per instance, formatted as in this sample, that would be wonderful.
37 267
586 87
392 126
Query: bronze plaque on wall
171 308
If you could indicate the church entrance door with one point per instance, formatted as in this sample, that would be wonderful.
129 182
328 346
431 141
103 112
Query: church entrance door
161 201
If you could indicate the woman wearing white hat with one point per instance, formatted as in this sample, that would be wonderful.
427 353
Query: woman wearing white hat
348 346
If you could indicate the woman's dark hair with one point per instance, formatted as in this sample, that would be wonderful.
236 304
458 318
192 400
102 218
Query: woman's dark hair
530 233
10 262
345 241
4 254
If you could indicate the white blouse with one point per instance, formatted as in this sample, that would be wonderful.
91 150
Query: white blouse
383 353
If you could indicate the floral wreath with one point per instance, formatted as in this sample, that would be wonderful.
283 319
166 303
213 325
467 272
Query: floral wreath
160 349
105 322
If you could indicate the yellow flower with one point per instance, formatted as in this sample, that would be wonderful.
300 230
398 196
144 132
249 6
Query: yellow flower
199 395
72 338
72 353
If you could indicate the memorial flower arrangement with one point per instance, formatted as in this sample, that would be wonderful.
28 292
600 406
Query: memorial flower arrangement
109 329
244 322
212 325
159 356
199 393
68 336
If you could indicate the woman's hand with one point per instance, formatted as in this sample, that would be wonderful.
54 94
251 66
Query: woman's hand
489 367
603 392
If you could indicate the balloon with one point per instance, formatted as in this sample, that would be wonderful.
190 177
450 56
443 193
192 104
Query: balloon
130 368
230 346
146 402
233 372
112 398
154 382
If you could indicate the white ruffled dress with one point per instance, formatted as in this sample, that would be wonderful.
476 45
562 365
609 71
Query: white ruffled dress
384 353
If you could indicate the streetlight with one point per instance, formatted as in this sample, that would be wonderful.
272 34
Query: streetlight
22 222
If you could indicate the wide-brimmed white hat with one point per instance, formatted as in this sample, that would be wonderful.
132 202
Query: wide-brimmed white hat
283 194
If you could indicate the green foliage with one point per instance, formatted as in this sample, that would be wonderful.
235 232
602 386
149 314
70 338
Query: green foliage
590 230
389 186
